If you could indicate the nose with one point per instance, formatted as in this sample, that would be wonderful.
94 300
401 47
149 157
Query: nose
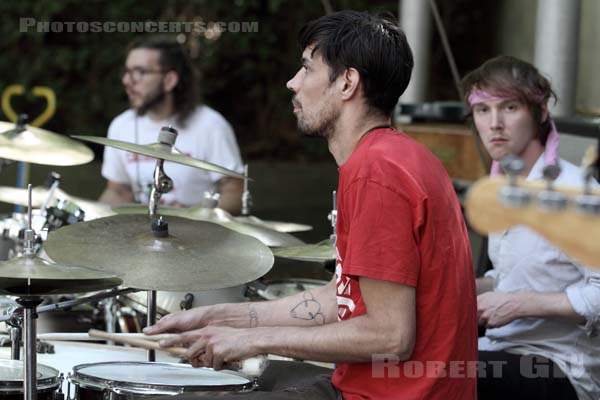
497 120
126 78
293 83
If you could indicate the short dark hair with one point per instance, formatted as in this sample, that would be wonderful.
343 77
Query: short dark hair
510 77
173 57
376 47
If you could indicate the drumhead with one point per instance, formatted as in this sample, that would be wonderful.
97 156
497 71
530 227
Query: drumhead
11 376
164 377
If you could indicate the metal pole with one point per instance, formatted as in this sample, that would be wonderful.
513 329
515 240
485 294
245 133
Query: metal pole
151 319
415 21
557 50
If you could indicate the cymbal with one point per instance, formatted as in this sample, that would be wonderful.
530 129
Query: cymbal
219 216
34 276
161 151
196 255
19 196
286 227
38 146
319 252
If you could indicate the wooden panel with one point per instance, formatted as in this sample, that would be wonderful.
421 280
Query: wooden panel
453 144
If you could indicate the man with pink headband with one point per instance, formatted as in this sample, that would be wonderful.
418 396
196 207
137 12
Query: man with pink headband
540 307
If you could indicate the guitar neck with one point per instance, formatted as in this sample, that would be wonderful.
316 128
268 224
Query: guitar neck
576 233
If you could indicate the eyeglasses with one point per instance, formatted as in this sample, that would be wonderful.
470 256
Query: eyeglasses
136 74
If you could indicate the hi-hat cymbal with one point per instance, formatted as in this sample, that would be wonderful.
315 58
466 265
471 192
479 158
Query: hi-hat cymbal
319 252
196 255
38 146
219 216
18 196
162 152
279 226
34 276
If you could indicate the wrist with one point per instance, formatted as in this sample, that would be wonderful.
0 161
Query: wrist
525 304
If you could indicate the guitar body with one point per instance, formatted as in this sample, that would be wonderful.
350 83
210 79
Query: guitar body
577 234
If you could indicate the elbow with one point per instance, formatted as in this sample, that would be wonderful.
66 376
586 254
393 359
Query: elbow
402 345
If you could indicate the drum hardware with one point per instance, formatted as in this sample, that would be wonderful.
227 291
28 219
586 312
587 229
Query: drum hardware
30 277
247 218
322 251
22 142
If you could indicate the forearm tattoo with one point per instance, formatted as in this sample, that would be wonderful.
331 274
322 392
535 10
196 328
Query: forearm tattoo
253 316
308 309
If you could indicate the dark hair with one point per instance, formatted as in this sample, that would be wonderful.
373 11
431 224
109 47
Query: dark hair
374 46
173 57
509 77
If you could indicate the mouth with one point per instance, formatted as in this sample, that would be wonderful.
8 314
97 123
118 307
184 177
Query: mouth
498 140
296 106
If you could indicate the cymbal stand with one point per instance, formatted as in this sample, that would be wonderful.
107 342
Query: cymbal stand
333 217
160 228
29 304
246 197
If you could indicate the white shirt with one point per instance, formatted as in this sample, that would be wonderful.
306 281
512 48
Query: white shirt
525 261
207 136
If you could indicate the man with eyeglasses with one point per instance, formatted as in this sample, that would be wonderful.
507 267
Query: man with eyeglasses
159 80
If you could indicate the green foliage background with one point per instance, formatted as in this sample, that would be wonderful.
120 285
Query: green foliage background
243 75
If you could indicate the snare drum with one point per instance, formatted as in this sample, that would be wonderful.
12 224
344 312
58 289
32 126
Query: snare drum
131 380
11 381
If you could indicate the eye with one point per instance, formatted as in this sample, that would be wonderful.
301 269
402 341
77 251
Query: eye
480 109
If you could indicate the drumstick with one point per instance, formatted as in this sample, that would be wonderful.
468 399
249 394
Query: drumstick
253 366
81 336
136 342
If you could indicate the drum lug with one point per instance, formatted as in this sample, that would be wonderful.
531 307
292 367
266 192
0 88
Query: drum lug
59 395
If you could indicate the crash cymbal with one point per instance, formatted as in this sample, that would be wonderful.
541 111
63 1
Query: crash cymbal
161 151
196 255
219 216
38 146
286 227
18 196
319 252
34 276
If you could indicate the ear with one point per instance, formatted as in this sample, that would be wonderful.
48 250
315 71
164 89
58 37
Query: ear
170 81
350 83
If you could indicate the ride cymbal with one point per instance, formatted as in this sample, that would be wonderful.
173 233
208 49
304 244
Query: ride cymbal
219 216
39 146
161 151
195 255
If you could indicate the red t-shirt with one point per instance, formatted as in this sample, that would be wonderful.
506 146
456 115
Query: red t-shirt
399 220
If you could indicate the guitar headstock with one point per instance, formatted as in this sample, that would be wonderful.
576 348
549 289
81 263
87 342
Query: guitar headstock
568 217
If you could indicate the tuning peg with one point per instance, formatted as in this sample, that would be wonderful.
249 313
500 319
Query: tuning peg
512 195
587 203
550 199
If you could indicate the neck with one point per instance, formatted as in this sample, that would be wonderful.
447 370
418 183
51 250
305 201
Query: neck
350 129
530 155
163 110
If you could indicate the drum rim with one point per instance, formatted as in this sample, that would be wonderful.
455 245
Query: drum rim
43 384
86 381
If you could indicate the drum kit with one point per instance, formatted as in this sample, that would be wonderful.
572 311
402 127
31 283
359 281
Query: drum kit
72 245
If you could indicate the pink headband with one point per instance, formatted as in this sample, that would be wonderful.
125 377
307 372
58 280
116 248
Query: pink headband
551 152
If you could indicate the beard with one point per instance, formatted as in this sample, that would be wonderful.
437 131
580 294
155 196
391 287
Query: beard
323 124
153 100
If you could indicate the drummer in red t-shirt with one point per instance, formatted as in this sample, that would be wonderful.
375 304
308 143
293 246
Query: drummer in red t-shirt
399 320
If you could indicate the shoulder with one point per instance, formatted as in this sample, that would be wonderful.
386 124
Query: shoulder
207 116
121 121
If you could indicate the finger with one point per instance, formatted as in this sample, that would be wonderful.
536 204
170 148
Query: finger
196 350
172 341
165 324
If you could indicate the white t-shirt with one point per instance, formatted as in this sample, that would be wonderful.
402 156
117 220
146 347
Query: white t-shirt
525 261
207 136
